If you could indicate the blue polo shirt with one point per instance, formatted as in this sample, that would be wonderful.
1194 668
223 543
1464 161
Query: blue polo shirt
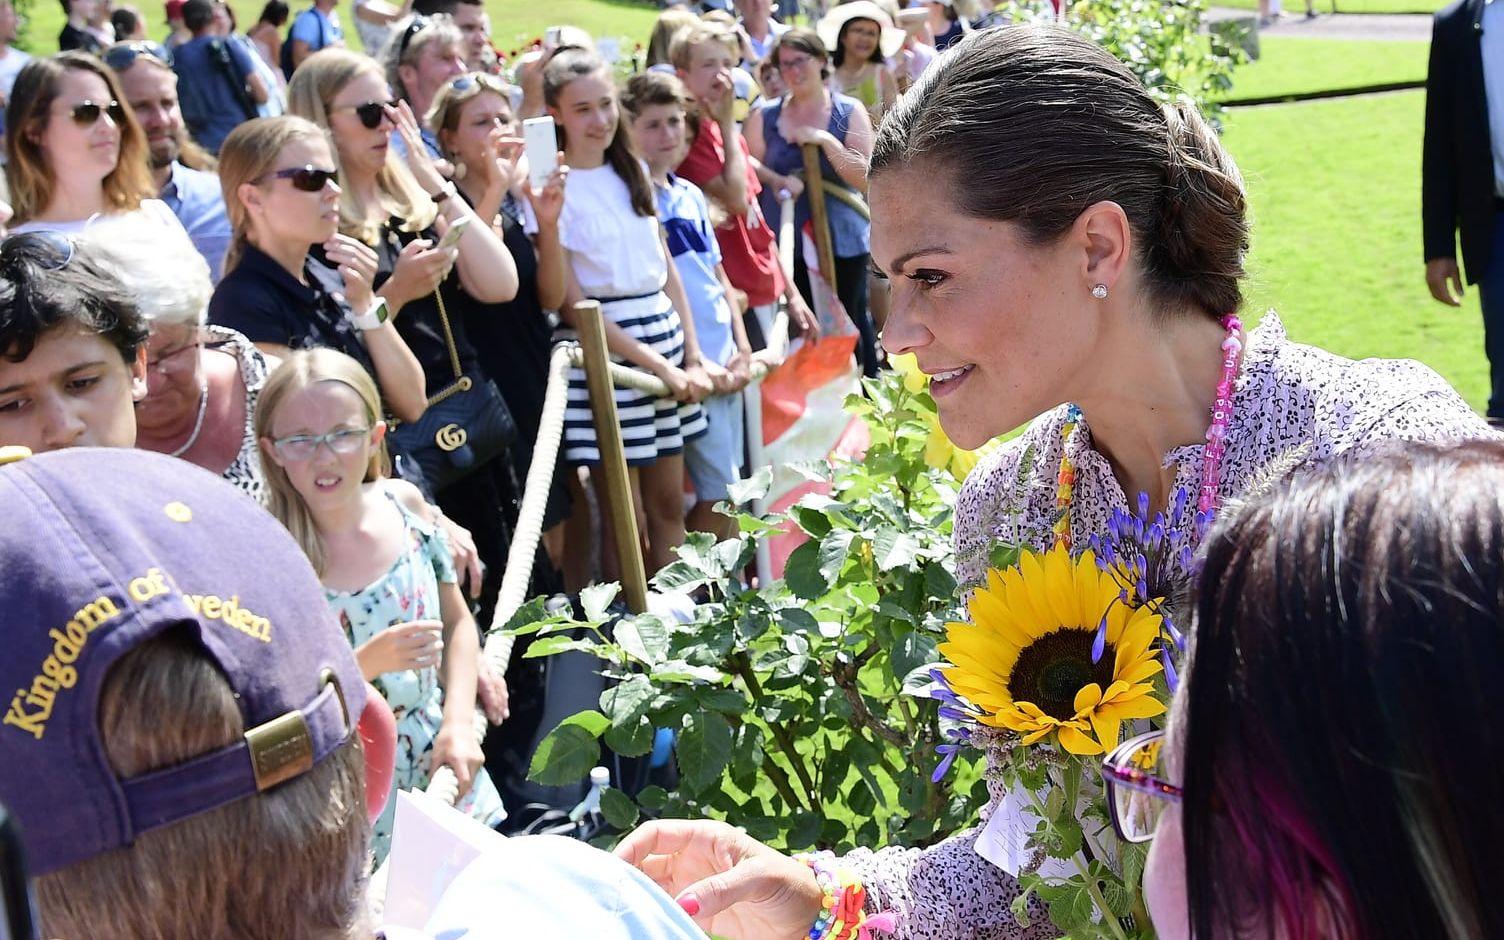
685 217
318 30
197 200
207 91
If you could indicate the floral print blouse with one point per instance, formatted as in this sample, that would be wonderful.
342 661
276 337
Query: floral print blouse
1293 404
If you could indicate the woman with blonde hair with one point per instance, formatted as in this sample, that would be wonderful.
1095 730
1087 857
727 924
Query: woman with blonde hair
401 207
75 152
278 180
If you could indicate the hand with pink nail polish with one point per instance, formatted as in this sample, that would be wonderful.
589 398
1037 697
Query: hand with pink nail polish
731 884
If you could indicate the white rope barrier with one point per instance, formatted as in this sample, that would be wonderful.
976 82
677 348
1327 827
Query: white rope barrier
524 549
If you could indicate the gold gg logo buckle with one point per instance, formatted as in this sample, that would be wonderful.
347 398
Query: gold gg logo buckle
451 437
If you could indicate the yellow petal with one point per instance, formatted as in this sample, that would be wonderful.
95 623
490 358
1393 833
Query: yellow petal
1140 671
1037 736
1077 743
1144 707
1088 697
1107 728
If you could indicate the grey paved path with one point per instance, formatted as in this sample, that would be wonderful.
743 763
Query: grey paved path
1338 26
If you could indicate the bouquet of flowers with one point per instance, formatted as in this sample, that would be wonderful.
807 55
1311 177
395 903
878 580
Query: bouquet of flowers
1065 650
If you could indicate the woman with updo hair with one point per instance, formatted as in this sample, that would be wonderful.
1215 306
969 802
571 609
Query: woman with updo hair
1060 245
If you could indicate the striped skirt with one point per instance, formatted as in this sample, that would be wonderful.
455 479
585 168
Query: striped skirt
650 427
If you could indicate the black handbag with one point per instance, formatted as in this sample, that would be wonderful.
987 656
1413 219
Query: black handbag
466 425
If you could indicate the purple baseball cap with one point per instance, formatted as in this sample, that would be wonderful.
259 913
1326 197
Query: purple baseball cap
103 549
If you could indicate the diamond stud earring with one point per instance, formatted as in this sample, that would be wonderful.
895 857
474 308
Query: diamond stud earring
1099 291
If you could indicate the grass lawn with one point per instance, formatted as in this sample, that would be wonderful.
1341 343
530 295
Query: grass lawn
1298 7
1295 66
513 22
1336 240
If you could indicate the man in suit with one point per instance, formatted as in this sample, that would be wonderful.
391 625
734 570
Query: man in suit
1462 178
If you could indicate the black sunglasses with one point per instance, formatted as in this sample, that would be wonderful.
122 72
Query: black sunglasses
310 179
123 55
372 113
86 113
414 27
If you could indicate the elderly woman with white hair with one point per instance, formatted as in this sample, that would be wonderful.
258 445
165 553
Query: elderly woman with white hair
202 380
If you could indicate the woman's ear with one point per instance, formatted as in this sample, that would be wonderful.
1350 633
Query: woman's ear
378 433
1106 240
138 375
269 450
250 195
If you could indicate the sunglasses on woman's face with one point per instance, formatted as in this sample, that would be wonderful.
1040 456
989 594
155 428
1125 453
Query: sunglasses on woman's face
86 113
372 113
309 179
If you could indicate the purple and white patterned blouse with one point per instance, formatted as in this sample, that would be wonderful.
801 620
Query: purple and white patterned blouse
1291 401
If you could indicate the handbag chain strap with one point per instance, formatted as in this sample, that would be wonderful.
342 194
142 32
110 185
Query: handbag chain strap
462 381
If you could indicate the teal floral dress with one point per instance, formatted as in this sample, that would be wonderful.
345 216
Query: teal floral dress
410 591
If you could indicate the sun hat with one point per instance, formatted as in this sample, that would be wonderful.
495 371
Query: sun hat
830 25
103 549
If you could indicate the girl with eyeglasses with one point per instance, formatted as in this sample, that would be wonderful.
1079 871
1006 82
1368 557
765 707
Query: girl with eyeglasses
385 567
282 199
478 132
401 207
76 154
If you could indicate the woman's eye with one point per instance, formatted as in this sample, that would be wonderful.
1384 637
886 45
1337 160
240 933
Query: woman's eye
83 383
927 278
12 406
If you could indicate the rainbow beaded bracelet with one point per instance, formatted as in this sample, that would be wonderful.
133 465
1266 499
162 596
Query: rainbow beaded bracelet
843 914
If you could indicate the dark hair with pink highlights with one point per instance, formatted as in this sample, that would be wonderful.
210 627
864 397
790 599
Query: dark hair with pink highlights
1340 753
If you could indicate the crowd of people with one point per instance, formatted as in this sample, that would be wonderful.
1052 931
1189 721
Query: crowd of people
302 267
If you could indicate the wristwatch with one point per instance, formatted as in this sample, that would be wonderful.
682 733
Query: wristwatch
372 318
443 194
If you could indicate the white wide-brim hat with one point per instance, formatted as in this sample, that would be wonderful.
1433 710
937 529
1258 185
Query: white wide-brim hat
830 25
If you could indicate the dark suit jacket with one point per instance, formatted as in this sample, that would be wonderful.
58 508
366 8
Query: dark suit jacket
1457 171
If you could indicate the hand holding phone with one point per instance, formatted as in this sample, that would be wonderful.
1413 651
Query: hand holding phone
455 233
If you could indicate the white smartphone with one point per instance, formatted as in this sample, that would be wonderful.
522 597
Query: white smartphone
541 145
552 35
455 233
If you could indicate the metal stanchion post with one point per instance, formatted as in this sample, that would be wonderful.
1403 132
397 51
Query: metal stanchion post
618 484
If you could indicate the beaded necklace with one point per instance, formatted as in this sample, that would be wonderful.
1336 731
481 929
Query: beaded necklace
1211 456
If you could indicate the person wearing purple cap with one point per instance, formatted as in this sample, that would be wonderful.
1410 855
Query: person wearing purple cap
178 748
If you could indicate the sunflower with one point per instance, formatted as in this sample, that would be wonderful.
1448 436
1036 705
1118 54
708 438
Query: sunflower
939 451
1025 661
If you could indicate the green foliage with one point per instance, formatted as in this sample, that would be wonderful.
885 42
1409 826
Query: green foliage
795 703
1160 42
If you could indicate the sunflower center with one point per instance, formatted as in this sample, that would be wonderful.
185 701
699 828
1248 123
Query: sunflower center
1052 669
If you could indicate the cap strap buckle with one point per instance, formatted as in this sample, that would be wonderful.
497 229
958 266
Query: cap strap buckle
281 749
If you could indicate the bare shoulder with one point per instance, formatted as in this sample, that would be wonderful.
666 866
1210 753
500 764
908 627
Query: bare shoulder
410 496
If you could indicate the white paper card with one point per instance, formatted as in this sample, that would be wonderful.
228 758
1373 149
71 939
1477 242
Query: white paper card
1004 841
431 844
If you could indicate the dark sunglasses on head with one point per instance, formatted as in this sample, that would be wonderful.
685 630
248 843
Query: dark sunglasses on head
414 27
86 113
123 55
310 179
52 251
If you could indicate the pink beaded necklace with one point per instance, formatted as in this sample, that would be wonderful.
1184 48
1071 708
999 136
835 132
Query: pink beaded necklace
1211 457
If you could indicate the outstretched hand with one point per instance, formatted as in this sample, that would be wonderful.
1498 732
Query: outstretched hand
731 884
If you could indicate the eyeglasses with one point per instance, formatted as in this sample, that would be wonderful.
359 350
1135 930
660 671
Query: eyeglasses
309 179
371 113
302 447
52 251
791 63
176 360
86 113
123 55
1136 793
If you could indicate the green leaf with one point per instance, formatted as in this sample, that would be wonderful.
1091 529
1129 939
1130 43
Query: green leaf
677 670
799 620
802 572
559 643
913 650
618 808
628 700
653 796
564 756
645 638
631 740
754 487
939 583
592 721
704 749
728 701
804 831
596 598
527 618
889 607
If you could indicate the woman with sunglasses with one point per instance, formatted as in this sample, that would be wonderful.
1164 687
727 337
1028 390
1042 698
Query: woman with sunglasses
202 381
810 113
76 155
1321 776
401 207
282 200
477 130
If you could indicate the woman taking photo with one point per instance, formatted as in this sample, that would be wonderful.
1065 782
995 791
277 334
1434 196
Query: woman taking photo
477 131
280 194
811 114
401 208
75 154
1028 273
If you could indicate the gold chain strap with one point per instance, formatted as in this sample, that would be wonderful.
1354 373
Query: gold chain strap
461 380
